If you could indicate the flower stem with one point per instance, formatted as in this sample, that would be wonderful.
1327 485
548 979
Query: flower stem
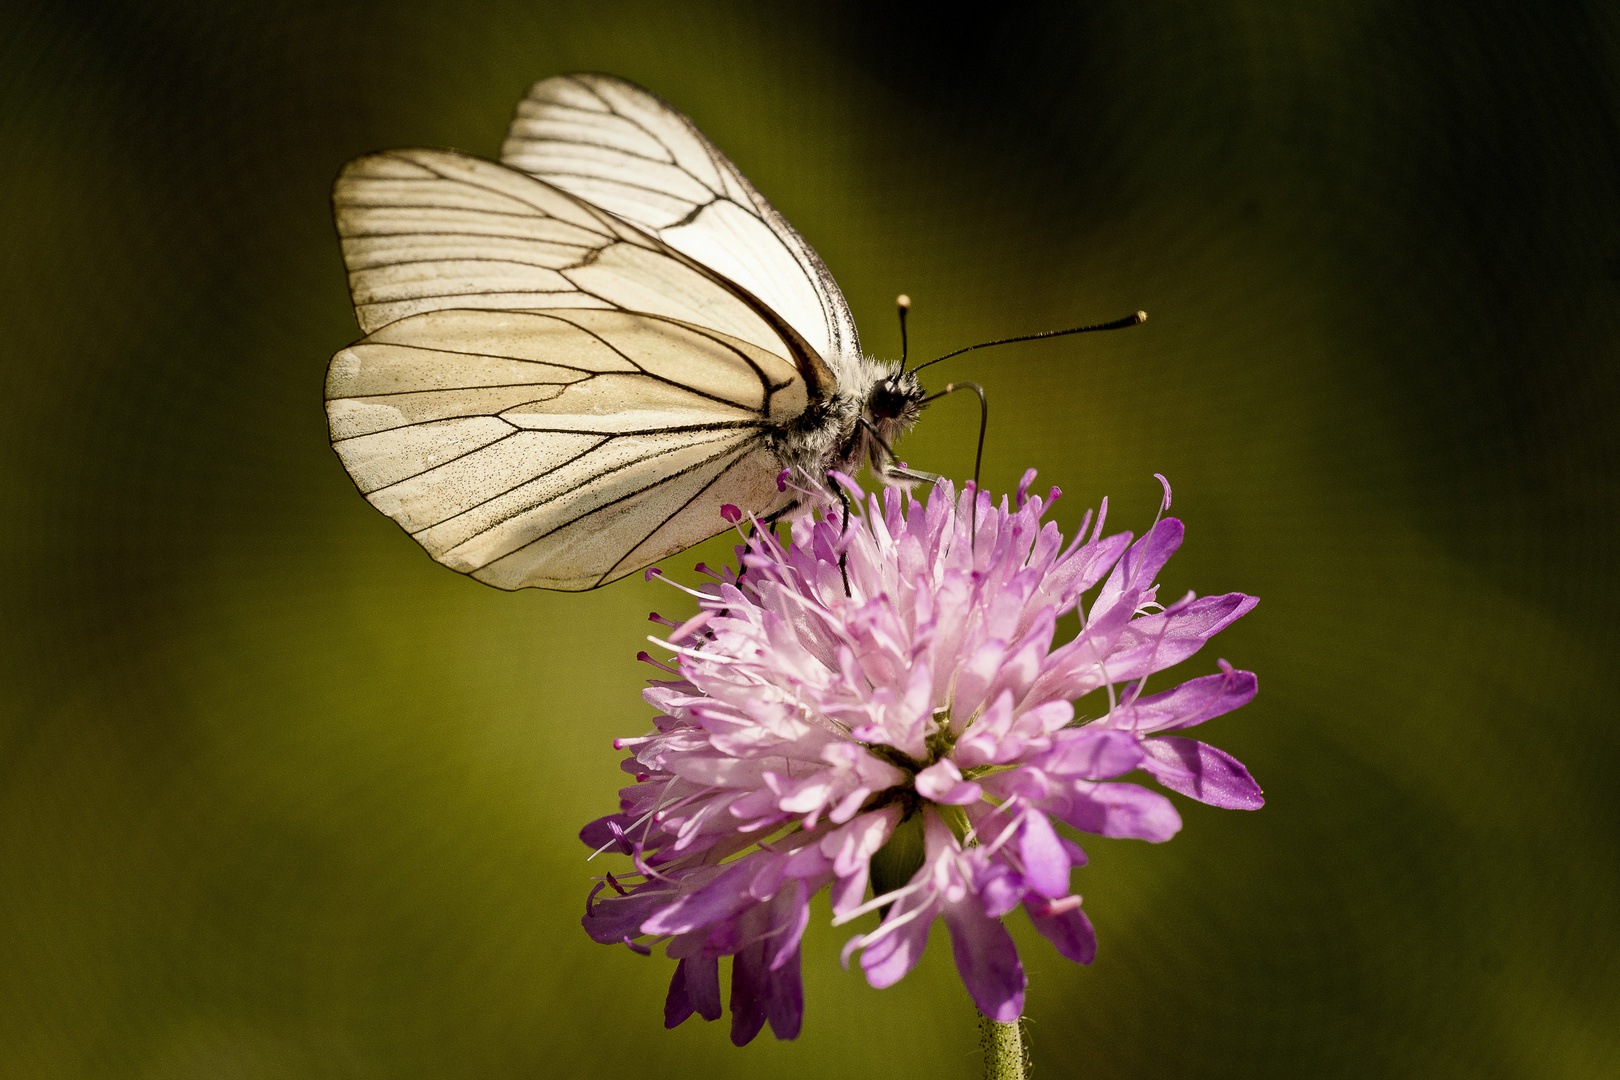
1004 1056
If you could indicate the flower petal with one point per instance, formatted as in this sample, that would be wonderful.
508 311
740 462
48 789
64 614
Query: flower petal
1046 863
981 742
721 898
677 1003
1066 927
1140 565
888 959
1200 771
1193 702
1117 810
703 984
785 1006
1000 888
1090 753
942 782
1155 642
765 982
987 960
750 994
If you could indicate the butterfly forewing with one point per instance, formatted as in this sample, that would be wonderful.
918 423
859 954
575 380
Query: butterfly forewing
424 230
626 150
547 396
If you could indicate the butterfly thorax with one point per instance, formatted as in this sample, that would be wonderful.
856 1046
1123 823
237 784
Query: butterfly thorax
830 434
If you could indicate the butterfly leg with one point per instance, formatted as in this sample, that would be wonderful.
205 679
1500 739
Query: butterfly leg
843 556
906 474
779 513
893 470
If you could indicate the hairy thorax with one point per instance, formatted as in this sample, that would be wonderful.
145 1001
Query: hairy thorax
873 406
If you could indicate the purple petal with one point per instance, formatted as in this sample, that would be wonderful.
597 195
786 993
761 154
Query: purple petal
785 1007
887 960
678 1003
1141 564
1020 670
1046 864
942 782
851 848
1065 927
1080 570
859 840
979 744
1193 702
987 960
611 920
1000 888
973 680
1118 810
761 989
1200 771
601 832
1091 753
749 991
789 915
703 984
1155 642
719 899
1077 667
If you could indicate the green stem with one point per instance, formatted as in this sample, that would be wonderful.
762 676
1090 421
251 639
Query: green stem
1004 1056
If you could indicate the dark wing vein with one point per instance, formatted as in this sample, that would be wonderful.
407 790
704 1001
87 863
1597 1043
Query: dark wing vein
458 457
743 452
597 478
662 479
837 323
529 479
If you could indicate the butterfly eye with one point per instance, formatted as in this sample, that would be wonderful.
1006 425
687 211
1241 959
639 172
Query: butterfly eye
887 401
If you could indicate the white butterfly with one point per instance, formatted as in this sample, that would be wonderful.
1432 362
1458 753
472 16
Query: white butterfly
574 358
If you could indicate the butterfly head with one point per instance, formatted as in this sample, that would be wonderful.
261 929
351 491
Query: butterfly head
895 401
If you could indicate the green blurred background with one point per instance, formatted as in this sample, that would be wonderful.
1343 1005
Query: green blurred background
280 798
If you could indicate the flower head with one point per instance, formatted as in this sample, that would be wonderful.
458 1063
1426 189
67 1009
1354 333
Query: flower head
880 702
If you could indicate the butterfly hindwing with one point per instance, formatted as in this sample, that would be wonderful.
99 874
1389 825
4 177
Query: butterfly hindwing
545 396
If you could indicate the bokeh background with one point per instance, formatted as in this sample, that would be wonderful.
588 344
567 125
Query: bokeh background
281 798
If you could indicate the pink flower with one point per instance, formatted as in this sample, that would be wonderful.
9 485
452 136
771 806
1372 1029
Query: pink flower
882 703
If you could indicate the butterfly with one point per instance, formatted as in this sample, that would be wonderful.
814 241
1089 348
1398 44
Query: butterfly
598 351
576 357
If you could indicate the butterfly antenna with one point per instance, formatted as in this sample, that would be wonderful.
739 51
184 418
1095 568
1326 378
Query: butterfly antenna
903 303
1118 324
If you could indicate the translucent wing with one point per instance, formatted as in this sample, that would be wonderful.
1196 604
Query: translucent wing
628 151
545 395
